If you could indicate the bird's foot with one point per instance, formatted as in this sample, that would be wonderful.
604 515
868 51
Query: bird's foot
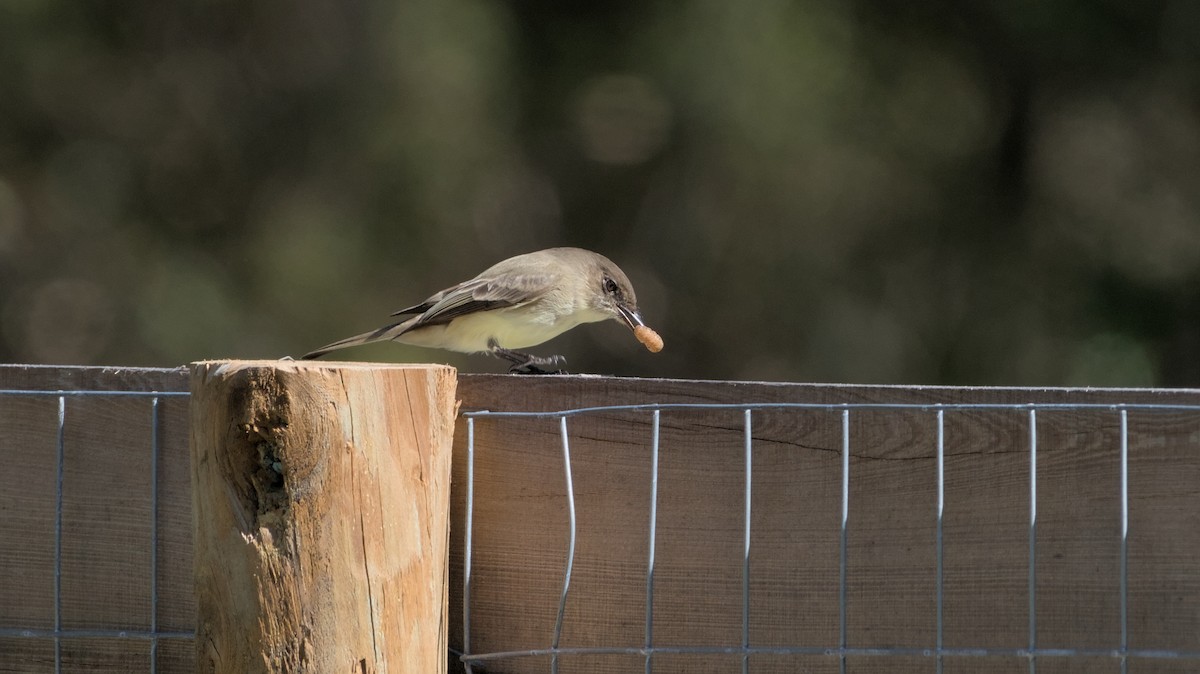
525 363
533 367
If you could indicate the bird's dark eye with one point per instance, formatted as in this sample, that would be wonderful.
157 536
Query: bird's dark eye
611 286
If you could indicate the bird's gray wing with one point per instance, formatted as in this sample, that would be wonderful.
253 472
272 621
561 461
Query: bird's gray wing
480 294
420 308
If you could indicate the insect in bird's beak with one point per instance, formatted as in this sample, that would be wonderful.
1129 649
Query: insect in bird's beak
644 333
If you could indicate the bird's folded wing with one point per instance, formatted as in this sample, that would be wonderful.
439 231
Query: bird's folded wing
419 308
480 295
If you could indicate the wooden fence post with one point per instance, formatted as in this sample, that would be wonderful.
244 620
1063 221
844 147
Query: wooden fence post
321 498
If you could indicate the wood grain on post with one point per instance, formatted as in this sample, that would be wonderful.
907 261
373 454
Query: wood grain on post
320 505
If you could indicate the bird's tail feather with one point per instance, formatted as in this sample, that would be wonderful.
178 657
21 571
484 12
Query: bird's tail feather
387 332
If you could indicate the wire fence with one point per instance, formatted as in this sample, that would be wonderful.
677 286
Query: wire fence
651 647
936 652
59 631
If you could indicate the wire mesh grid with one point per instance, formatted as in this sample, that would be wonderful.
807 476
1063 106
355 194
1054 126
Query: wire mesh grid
59 632
649 648
936 652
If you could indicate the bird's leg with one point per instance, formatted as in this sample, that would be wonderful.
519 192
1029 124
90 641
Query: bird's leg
525 363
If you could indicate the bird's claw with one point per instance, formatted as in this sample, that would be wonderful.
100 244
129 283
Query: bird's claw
533 365
525 363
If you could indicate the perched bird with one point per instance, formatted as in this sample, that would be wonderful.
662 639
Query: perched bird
520 302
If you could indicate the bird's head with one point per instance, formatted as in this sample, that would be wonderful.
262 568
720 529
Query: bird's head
615 297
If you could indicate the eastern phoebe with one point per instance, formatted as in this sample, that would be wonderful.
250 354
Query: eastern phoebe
520 302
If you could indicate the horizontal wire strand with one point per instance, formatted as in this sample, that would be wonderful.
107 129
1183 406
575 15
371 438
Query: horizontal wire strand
926 652
837 407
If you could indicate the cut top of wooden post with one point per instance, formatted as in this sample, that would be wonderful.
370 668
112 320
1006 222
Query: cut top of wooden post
321 500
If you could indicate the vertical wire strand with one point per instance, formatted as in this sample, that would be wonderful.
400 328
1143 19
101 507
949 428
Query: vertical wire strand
466 591
749 441
1032 541
941 501
154 449
654 439
562 602
58 532
843 545
1124 541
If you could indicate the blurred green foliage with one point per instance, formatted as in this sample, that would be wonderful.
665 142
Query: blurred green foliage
851 191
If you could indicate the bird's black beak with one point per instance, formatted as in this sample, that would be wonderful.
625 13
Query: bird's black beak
631 317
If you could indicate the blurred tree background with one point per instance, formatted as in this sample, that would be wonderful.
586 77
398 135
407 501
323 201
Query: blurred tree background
849 191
